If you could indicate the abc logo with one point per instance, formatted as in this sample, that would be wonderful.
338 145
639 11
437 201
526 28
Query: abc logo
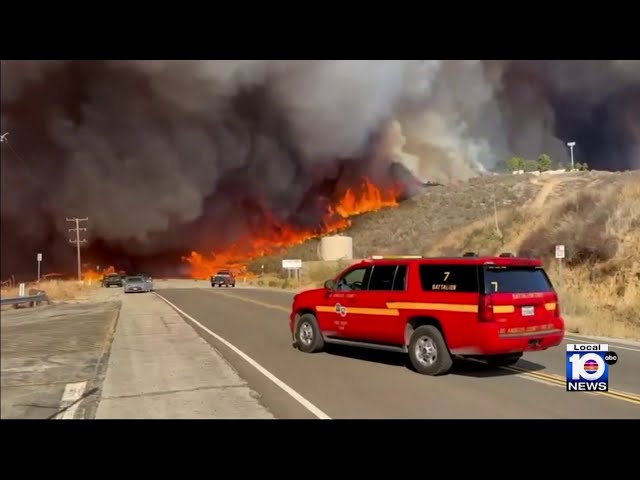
591 366
611 358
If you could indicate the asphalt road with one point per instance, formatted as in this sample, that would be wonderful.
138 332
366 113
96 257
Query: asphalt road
250 327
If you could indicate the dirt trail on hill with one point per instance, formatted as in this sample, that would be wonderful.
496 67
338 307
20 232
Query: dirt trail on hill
534 212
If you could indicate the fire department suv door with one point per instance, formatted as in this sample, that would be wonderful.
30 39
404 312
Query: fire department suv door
335 316
368 317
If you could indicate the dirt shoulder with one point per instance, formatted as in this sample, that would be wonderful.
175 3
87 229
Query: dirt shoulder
56 354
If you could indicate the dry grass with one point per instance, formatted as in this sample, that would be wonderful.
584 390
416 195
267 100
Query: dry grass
596 215
597 218
605 305
600 288
56 290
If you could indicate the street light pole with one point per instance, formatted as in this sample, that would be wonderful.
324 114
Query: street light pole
571 145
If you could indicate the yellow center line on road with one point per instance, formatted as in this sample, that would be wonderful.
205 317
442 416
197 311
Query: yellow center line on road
249 300
551 378
560 380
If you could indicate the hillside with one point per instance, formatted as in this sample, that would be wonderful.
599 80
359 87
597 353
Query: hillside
596 215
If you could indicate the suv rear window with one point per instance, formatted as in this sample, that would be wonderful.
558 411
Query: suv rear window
516 280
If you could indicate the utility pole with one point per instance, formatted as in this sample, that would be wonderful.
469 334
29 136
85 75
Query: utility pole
77 241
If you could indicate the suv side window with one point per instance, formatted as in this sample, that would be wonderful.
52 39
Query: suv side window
449 278
355 279
382 277
400 280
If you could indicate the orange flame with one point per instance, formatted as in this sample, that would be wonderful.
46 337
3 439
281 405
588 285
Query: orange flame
369 199
90 274
275 235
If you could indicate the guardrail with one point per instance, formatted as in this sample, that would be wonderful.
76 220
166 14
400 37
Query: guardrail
35 297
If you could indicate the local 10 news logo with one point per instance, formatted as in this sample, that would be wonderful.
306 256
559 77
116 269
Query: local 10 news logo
588 367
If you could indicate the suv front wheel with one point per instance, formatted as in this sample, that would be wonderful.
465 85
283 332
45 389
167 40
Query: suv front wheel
308 336
428 351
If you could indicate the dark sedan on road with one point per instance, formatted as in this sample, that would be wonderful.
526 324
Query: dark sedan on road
137 285
111 280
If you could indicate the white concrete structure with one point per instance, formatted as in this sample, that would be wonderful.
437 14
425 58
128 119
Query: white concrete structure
335 247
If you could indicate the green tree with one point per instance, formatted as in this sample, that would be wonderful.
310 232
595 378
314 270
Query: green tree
584 167
515 163
530 166
544 162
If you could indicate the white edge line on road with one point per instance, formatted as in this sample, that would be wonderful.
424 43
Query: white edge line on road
295 395
595 340
72 393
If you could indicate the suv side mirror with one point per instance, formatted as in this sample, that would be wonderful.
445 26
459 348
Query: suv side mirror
329 284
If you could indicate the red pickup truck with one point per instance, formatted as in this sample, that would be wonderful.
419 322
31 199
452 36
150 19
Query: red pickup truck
223 277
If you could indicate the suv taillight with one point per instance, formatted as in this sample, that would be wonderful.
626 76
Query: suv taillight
486 309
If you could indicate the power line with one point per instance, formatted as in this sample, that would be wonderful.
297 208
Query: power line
78 241
27 168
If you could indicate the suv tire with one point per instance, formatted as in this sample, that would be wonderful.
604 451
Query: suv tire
307 335
503 360
428 351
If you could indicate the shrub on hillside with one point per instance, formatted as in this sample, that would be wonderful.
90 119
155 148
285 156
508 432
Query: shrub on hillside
580 224
270 264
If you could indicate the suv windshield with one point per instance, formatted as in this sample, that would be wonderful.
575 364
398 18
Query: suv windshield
516 280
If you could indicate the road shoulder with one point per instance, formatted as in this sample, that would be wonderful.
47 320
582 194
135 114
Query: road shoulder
51 357
159 367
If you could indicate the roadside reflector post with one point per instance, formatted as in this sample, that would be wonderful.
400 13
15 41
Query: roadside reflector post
39 260
560 254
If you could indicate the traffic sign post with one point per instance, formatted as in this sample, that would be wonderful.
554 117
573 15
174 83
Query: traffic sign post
39 258
292 265
560 254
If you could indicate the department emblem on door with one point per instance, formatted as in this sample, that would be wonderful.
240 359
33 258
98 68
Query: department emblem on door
340 310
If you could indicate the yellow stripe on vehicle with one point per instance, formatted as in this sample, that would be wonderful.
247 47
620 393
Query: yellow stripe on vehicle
322 308
373 311
360 310
444 307
504 309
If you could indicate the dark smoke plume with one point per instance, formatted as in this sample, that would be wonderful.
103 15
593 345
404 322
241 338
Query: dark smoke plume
165 156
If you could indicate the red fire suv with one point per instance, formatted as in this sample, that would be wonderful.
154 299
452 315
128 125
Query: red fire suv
491 308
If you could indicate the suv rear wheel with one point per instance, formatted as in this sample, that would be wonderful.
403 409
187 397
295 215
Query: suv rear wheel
428 351
307 335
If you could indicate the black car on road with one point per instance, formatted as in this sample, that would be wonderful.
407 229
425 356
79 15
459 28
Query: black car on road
113 279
